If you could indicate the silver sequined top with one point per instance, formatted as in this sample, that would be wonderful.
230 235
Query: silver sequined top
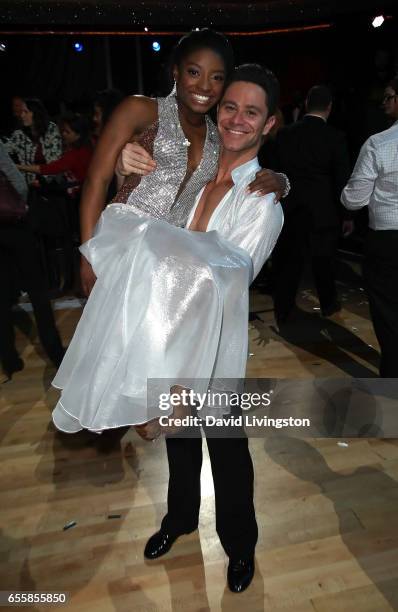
156 193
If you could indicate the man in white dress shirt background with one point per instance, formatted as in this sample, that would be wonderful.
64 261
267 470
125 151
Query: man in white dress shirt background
374 183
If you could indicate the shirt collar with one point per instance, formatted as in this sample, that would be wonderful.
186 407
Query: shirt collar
244 170
315 115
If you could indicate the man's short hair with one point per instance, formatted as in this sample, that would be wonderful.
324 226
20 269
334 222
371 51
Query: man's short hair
261 76
319 98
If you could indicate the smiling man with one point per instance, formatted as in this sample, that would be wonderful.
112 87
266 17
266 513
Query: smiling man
245 115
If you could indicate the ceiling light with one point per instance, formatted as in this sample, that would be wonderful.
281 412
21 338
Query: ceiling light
378 21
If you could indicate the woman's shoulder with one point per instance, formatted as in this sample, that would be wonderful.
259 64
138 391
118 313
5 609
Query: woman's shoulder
143 108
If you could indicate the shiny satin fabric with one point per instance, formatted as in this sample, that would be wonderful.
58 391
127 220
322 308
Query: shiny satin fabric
168 304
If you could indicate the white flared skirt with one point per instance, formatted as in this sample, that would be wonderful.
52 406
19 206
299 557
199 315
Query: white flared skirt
169 306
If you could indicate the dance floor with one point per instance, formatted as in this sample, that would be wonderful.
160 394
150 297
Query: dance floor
327 512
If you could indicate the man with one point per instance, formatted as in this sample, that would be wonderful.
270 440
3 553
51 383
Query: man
314 155
374 183
245 115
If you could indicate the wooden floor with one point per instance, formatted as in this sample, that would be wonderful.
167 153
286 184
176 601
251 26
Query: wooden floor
327 514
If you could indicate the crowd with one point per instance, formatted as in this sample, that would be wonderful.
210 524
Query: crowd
43 165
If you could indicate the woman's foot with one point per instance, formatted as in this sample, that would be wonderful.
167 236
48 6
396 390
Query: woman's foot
149 431
180 411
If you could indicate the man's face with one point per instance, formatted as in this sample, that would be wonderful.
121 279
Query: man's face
390 103
243 117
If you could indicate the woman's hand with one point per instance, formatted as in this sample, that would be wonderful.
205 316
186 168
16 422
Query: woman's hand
134 159
87 276
268 181
149 431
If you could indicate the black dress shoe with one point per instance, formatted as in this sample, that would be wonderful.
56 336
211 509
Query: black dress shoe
240 574
159 544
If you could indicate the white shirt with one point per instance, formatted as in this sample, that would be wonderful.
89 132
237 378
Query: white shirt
374 181
249 221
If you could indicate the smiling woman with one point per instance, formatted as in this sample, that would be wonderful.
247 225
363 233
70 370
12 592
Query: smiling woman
201 62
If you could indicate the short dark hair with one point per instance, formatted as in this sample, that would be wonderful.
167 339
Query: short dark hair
393 84
261 76
204 39
80 125
319 98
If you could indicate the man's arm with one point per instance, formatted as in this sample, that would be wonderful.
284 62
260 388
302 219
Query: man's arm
356 194
132 116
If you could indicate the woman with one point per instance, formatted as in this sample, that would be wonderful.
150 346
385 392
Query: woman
136 118
38 141
75 161
184 142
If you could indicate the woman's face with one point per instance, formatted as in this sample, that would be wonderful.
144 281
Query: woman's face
200 80
69 136
26 116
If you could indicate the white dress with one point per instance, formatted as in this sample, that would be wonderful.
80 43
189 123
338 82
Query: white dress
169 304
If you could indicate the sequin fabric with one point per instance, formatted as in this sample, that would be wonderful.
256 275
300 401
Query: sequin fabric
156 193
146 140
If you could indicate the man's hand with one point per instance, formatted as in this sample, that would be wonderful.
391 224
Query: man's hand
133 159
347 228
268 181
87 276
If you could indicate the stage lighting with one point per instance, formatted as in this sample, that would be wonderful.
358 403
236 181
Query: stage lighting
78 47
156 46
146 29
378 21
3 46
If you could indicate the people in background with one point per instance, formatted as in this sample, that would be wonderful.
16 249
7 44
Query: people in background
374 183
314 155
104 104
74 163
38 141
20 268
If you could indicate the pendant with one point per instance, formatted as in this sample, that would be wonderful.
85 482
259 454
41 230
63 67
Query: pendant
186 143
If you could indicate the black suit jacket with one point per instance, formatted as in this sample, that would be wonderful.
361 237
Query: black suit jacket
314 156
